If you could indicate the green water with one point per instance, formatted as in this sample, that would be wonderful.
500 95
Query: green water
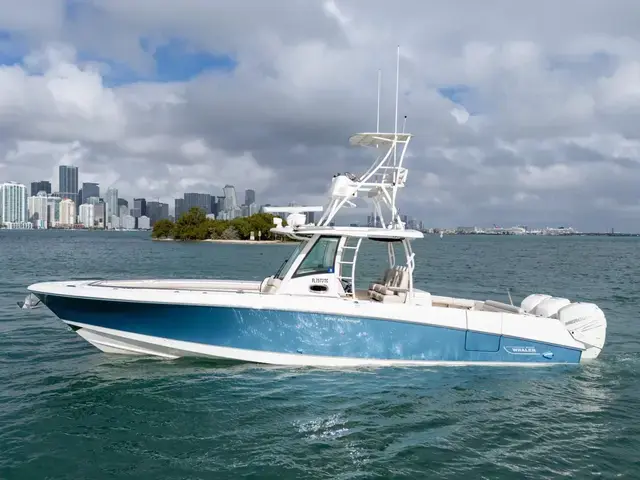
69 411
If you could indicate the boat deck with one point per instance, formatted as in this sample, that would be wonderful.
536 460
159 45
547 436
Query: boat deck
247 286
184 285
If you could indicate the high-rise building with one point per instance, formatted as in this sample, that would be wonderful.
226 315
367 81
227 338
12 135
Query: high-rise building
140 206
230 199
157 211
67 212
68 182
249 197
89 190
41 186
123 210
178 209
53 210
13 204
39 210
200 200
87 215
111 200
219 205
100 214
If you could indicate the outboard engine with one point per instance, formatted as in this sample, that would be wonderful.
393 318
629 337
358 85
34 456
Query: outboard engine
532 301
550 306
587 324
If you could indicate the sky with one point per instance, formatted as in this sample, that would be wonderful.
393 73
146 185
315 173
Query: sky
522 112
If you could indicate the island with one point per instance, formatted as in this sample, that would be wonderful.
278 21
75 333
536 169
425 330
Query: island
195 226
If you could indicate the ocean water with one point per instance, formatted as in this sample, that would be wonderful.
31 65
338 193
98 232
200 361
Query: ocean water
69 411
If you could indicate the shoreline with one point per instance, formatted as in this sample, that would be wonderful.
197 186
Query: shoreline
228 242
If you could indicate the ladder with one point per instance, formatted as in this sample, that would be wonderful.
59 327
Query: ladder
349 263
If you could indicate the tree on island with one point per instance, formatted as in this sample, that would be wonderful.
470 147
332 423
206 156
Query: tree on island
194 225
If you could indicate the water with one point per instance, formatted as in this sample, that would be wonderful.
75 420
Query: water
69 411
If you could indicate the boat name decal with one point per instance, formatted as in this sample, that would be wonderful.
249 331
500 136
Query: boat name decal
341 319
522 350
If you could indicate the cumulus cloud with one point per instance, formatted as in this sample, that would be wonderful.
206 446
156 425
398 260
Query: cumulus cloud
522 112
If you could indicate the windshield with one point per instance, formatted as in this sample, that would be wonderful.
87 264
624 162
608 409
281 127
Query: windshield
286 265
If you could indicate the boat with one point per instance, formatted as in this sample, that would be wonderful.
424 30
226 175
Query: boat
318 310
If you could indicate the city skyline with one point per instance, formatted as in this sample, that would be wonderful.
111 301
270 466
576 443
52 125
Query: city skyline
112 211
41 208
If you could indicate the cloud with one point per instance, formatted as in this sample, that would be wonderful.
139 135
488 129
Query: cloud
521 112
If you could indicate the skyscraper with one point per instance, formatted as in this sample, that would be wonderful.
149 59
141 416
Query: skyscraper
87 215
42 186
111 199
123 207
219 205
53 211
140 206
67 212
230 199
157 211
89 190
68 182
249 197
178 208
13 203
200 200
99 214
123 210
38 210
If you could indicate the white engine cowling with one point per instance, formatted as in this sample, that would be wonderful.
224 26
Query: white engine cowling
550 306
587 323
532 301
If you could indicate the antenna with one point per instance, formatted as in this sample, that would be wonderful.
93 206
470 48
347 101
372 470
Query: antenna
378 119
404 124
397 87
395 145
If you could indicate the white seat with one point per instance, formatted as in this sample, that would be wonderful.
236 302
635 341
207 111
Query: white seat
395 288
389 274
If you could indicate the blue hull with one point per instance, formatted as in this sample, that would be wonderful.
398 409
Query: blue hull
306 333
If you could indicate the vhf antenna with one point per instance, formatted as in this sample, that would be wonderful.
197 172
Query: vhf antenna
378 118
395 144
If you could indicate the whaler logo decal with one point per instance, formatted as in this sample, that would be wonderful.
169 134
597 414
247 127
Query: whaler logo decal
521 350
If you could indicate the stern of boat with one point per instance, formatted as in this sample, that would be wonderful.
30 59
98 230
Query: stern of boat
586 322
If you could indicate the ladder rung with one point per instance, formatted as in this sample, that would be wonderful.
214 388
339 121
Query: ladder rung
350 248
347 263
